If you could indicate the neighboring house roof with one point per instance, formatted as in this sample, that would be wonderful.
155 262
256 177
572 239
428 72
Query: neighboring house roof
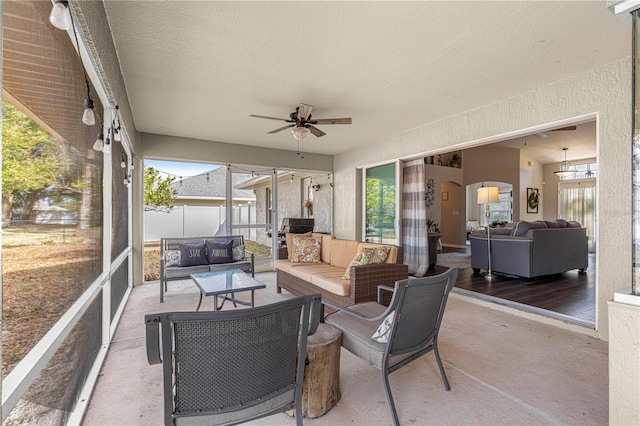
212 184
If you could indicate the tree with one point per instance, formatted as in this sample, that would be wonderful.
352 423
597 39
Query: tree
158 193
31 159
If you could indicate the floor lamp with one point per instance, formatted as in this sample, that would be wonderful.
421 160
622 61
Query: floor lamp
486 196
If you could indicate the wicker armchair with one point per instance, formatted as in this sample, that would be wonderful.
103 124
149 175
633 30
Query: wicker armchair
228 367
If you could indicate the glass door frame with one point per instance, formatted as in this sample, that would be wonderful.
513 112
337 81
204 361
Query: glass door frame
398 199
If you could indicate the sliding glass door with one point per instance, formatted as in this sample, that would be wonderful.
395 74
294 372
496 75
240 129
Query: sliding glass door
381 204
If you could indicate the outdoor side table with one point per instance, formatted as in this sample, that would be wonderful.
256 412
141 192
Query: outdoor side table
321 384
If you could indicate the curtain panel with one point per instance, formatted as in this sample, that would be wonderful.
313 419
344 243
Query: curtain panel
414 218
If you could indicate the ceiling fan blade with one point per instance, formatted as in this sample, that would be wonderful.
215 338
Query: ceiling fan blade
331 121
317 132
304 111
566 128
270 118
288 126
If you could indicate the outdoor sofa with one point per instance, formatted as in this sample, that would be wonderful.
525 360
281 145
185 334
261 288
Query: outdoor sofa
326 276
181 257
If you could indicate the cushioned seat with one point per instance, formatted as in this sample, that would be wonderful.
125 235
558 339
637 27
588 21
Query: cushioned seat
332 281
308 271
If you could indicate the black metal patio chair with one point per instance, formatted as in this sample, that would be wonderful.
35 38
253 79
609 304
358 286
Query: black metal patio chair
228 367
417 306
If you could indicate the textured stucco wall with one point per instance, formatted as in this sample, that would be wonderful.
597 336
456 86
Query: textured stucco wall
322 206
605 91
624 364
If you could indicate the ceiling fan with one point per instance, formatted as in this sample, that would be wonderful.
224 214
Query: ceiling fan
302 124
543 135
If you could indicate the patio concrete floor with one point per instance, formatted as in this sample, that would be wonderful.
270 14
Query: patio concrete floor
502 369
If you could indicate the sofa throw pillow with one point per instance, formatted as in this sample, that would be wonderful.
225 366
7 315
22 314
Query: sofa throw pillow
289 240
367 256
558 223
192 254
220 251
238 253
382 333
500 231
306 249
172 257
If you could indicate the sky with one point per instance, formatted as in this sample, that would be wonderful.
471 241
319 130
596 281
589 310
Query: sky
178 168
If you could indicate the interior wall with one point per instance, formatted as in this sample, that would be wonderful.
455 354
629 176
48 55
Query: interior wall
493 163
440 175
453 227
604 91
531 176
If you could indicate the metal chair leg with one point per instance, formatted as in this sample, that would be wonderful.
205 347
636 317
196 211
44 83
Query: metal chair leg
387 390
440 366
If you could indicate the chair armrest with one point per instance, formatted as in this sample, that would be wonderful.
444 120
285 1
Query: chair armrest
283 253
253 260
357 314
383 287
153 340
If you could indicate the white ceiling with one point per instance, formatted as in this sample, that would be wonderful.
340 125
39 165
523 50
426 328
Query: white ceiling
547 147
198 68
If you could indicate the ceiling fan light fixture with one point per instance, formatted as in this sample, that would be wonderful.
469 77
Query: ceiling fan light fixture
565 168
300 133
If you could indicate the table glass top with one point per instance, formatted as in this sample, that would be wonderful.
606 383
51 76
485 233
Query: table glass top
219 282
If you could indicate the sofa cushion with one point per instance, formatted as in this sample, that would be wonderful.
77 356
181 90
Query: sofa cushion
573 224
310 269
325 253
522 227
192 254
342 252
289 238
220 251
558 223
286 265
367 256
305 249
500 231
392 257
332 281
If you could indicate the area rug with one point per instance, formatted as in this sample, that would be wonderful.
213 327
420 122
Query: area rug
461 260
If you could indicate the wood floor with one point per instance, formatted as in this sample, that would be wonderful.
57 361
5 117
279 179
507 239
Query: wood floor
569 296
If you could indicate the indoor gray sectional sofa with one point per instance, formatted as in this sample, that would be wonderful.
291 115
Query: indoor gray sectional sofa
532 249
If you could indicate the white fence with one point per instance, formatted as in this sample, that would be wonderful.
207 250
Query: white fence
193 221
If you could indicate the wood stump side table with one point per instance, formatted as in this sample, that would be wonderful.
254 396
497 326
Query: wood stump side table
321 384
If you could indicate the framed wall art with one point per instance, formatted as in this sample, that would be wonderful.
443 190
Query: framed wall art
533 200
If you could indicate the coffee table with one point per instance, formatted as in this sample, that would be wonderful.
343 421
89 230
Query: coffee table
226 284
